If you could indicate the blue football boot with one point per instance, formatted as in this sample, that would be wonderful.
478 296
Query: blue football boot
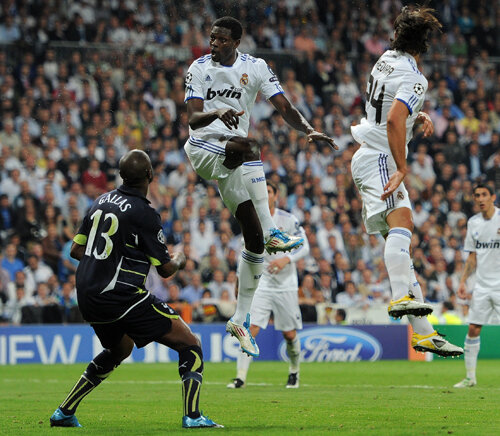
279 241
200 422
59 419
244 336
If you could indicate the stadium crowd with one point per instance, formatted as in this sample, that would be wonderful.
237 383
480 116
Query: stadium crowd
65 121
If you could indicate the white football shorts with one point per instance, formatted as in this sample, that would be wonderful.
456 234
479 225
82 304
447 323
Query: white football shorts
371 170
483 306
283 304
207 159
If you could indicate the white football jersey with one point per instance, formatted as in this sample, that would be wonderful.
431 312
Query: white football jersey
234 86
394 76
483 238
286 279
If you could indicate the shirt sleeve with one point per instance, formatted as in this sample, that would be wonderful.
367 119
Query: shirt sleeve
411 92
469 244
270 85
152 239
193 83
83 232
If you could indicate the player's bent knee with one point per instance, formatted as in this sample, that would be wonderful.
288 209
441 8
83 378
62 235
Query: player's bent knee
251 155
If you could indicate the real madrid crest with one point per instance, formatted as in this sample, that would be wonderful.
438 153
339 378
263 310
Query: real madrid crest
400 195
244 79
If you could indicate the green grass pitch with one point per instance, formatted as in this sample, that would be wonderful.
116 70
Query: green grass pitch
374 398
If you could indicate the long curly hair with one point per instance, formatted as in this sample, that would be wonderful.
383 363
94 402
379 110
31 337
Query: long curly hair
412 27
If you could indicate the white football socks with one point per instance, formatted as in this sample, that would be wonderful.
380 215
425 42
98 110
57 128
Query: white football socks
397 260
255 182
471 351
250 269
422 326
293 351
242 364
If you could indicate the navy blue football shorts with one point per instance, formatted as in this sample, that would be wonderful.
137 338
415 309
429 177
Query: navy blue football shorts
145 323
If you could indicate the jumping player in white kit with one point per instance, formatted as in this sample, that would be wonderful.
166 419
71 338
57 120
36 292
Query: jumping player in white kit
221 89
395 93
278 293
483 244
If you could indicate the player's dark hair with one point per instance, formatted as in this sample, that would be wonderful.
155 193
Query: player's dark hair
485 186
412 27
273 186
342 314
232 24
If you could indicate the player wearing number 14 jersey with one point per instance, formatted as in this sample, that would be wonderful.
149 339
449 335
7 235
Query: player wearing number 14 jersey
395 94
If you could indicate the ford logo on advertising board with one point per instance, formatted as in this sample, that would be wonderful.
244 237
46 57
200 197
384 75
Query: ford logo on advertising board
335 344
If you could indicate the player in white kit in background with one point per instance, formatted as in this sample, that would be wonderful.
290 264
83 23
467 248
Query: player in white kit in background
483 244
278 293
395 94
221 89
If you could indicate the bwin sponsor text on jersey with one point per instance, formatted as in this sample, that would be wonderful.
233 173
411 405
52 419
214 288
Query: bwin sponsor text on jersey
231 92
491 244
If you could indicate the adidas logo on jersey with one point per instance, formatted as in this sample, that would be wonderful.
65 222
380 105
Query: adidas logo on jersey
208 78
228 93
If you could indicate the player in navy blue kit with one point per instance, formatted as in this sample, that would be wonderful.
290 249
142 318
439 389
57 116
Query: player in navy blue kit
120 237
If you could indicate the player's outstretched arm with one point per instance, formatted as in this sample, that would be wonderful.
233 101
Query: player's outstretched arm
197 118
177 262
293 117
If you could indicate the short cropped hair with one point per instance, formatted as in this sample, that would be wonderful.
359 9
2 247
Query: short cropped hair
485 186
412 27
232 24
273 186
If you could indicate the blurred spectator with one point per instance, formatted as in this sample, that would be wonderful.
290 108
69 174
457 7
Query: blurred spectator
18 310
9 31
52 247
94 176
69 304
308 297
69 114
340 316
349 297
36 270
10 262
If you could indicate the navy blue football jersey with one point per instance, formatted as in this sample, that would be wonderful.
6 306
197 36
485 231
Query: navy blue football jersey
122 235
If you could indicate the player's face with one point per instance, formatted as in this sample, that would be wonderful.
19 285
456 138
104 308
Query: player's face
272 197
484 200
222 46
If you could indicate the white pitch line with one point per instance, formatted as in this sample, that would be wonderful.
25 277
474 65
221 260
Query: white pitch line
176 382
210 383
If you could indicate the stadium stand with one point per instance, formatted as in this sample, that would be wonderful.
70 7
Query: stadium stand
82 82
